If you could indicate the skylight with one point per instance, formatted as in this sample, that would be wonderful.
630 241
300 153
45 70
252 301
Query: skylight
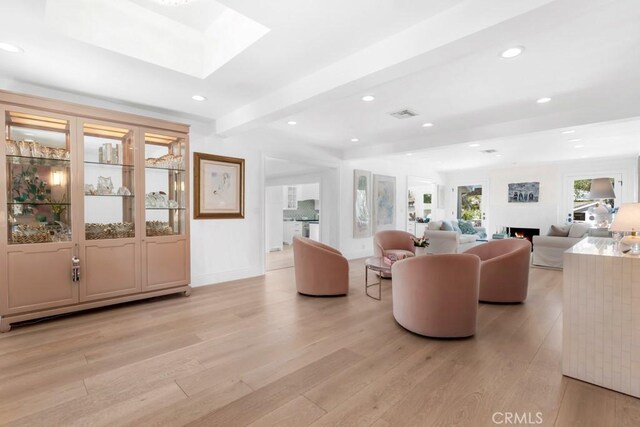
196 39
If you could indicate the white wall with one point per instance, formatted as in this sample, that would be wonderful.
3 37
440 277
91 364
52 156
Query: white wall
229 249
362 247
555 197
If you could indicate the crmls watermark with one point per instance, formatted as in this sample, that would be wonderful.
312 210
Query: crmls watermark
519 418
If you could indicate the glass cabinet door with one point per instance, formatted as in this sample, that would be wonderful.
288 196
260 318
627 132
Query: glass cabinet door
38 156
165 175
109 178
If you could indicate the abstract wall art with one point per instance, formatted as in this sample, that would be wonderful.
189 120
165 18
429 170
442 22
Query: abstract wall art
384 202
362 203
218 187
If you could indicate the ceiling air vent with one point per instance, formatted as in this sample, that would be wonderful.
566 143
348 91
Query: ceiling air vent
403 114
491 151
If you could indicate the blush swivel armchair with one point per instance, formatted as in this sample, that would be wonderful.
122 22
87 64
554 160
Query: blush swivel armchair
504 272
437 295
395 242
320 269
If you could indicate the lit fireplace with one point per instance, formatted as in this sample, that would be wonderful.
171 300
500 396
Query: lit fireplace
524 233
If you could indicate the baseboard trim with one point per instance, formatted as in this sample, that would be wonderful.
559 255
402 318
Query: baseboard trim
224 276
545 267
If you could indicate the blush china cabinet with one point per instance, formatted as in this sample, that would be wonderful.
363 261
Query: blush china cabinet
94 210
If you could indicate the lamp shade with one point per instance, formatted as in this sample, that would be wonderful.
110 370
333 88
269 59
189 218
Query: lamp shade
627 218
601 188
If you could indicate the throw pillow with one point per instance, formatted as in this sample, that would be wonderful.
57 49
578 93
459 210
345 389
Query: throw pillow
455 226
446 226
559 230
434 225
578 230
467 227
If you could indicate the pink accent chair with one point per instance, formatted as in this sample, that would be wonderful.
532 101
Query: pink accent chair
320 269
437 295
504 272
395 242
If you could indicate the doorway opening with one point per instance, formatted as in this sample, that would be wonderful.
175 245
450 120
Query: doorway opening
588 209
421 204
292 208
470 204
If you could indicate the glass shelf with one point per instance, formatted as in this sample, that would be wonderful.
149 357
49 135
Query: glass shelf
40 161
39 203
164 169
165 174
164 209
109 164
109 195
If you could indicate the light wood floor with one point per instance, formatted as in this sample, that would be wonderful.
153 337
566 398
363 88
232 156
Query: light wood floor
253 352
280 259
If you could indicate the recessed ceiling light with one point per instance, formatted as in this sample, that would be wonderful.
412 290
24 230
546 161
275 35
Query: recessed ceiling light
474 145
409 154
543 100
575 140
567 132
11 48
512 52
427 125
199 98
292 123
578 146
368 98
498 155
354 140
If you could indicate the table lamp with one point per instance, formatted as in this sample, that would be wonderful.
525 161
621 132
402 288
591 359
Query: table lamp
601 189
628 219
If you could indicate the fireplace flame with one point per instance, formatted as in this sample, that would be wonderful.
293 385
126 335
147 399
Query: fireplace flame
520 235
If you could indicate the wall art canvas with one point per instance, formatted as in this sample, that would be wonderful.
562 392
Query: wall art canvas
218 187
384 202
524 192
362 203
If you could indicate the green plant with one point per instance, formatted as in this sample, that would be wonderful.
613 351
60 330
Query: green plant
58 206
27 187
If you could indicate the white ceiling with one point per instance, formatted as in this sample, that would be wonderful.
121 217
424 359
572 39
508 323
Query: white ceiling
439 58
276 168
594 141
305 35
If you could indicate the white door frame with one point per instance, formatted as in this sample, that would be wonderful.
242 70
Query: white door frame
484 205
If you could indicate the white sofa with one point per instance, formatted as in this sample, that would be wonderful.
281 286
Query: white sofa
447 242
548 251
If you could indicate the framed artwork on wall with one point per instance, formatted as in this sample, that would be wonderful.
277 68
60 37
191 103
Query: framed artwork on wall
361 203
384 202
524 192
218 185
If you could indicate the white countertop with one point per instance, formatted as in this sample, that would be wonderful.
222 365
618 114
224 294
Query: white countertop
604 246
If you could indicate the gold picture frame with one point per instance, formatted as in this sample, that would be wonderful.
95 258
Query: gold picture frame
218 185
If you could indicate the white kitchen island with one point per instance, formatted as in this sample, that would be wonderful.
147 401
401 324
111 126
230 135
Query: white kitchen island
601 315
